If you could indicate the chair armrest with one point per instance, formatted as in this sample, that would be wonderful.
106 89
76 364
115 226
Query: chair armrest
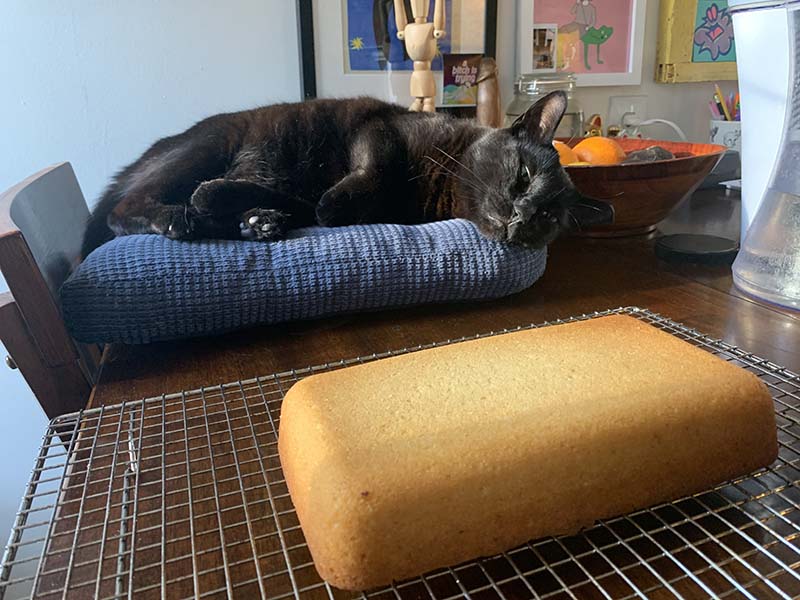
59 389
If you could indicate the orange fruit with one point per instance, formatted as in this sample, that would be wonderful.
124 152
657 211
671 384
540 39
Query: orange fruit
599 151
565 154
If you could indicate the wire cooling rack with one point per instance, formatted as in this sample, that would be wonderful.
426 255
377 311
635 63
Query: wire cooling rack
183 497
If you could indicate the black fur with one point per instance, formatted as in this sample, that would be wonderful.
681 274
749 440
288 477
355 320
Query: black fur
254 174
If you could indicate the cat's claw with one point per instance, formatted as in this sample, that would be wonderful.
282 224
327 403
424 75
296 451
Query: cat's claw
263 224
175 222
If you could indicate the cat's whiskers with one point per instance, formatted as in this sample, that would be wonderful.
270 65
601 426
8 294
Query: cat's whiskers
575 220
553 195
469 171
455 175
496 221
581 204
468 196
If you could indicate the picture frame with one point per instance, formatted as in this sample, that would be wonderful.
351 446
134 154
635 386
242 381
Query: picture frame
323 61
677 51
624 67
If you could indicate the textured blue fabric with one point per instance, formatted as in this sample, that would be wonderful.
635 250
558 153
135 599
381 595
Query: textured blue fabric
143 288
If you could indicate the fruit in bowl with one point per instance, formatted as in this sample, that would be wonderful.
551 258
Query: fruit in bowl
566 155
642 179
599 151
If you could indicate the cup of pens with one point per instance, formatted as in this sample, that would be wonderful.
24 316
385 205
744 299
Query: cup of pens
725 127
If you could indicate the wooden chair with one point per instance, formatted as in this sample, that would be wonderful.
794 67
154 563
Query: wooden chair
42 221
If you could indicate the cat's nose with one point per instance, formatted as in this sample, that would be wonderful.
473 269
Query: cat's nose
522 213
517 220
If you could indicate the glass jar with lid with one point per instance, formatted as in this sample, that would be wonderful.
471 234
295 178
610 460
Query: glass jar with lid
530 87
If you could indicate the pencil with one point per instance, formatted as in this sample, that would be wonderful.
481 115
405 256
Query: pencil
720 97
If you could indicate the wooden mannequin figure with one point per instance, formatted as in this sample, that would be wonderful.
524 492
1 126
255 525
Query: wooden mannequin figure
420 40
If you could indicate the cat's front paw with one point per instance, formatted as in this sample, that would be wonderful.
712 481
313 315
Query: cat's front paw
264 224
208 195
335 209
175 222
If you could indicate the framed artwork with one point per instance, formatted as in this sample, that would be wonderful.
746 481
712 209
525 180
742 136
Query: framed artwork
371 34
601 41
350 47
695 41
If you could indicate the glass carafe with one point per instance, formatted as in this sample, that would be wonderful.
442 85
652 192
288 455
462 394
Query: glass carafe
533 86
768 264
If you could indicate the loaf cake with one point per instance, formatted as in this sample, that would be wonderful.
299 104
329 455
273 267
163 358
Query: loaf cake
428 459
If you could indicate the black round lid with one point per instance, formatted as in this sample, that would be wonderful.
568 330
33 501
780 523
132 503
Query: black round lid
695 248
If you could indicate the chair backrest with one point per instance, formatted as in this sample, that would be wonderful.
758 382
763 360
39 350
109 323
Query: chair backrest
42 221
50 212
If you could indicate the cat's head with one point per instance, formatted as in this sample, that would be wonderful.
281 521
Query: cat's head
512 186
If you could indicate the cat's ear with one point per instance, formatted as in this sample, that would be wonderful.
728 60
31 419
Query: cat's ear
540 121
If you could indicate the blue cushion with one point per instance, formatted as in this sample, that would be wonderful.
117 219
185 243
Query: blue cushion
144 288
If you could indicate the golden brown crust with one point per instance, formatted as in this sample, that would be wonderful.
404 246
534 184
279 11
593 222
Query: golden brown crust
428 459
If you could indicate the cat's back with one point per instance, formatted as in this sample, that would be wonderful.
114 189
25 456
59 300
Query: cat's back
323 116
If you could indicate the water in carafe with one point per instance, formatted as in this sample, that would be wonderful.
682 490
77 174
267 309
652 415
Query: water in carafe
768 264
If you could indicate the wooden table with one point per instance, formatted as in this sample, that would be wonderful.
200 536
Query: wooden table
583 275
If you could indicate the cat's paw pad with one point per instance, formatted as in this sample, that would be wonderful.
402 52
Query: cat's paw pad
263 224
175 222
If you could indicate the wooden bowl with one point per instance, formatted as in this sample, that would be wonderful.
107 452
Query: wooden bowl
643 194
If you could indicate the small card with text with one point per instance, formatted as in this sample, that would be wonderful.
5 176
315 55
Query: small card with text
461 79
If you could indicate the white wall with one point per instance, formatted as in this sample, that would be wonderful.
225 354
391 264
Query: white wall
686 104
97 81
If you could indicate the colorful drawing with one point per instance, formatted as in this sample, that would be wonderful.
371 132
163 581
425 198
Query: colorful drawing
371 37
585 15
461 79
587 23
713 33
595 37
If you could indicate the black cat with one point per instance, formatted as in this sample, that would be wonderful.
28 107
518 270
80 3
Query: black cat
254 174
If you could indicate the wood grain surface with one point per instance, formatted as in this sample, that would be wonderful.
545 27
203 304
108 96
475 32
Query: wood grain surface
583 275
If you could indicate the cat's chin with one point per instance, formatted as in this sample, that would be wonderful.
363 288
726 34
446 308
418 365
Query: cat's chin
531 241
535 238
537 245
496 234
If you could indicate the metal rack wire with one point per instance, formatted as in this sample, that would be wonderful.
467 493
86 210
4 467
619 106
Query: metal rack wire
183 497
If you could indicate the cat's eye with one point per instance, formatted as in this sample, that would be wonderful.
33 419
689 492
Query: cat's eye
525 174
